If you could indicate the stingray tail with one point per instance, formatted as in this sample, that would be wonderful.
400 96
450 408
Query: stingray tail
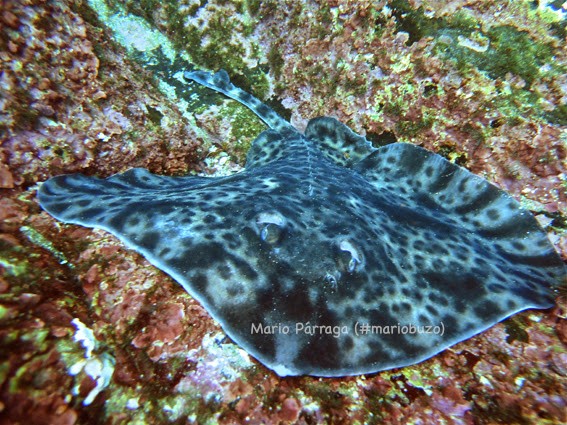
220 82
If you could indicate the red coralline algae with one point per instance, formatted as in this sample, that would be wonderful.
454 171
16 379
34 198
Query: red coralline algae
290 410
534 153
71 100
164 328
74 114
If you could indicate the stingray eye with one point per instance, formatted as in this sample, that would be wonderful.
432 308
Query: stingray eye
350 257
331 280
270 226
271 233
352 264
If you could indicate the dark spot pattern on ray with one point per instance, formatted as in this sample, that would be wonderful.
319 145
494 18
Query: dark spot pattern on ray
322 233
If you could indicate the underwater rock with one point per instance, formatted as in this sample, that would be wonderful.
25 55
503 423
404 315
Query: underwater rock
415 94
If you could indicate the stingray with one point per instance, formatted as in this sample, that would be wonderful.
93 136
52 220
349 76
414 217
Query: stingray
327 256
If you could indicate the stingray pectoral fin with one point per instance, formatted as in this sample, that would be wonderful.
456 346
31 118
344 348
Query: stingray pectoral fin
80 199
423 181
72 197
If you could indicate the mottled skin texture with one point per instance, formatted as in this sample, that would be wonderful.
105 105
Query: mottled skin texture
326 229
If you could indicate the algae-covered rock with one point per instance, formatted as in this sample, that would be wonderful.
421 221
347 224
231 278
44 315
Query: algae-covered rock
482 83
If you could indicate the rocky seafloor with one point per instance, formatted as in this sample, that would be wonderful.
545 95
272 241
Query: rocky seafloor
90 332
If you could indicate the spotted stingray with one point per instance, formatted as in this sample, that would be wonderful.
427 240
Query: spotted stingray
327 256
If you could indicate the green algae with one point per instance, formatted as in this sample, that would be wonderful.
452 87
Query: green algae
516 331
183 406
213 37
412 128
38 239
418 25
4 313
127 399
496 52
511 51
14 267
326 396
25 376
245 128
276 61
417 379
131 32
217 52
